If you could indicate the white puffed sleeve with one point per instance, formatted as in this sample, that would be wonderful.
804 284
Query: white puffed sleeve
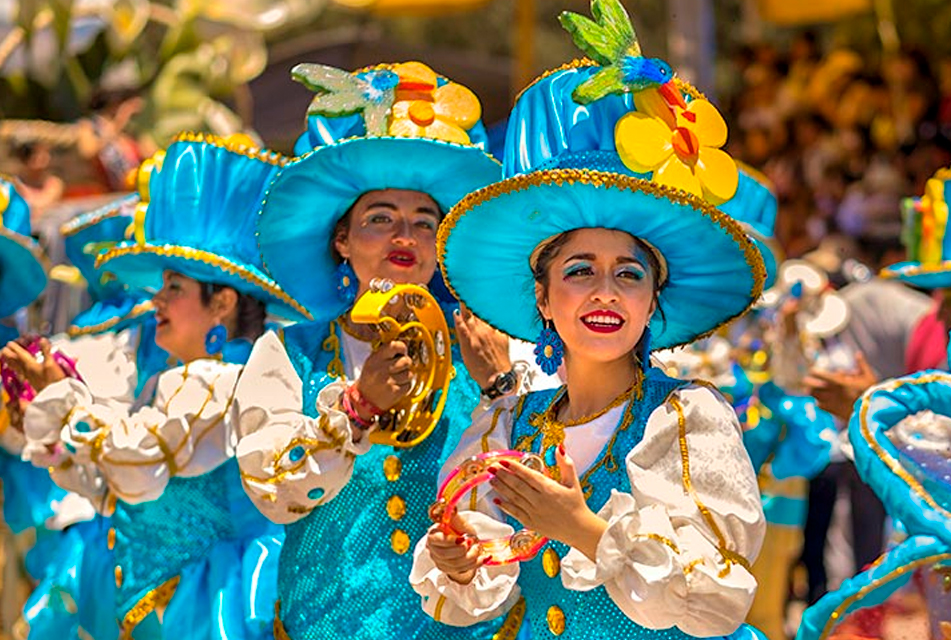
187 432
678 548
493 590
106 363
290 462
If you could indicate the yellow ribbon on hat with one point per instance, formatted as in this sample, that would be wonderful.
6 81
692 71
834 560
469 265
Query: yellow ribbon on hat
147 168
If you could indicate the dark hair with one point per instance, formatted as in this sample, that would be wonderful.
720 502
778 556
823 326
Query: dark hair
251 311
551 249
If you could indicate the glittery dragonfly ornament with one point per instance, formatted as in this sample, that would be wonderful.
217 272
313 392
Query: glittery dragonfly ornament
340 93
610 41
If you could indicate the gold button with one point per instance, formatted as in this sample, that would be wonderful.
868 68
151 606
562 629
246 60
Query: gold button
399 541
118 577
111 539
396 507
392 467
551 563
556 620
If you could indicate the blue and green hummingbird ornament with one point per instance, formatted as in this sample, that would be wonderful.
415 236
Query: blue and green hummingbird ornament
610 40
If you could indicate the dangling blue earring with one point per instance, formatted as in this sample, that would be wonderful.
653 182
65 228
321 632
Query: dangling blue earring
215 339
645 354
346 282
549 349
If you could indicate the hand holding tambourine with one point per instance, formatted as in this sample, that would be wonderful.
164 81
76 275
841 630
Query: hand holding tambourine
517 547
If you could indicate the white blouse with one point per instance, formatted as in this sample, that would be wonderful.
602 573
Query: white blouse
677 549
290 462
97 445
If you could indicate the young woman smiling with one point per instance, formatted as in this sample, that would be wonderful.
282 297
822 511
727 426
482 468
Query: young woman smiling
648 497
182 527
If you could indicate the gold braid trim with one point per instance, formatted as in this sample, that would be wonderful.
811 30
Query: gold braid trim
140 309
729 557
206 257
264 155
606 180
155 599
513 622
894 465
916 270
661 539
280 633
91 219
437 614
835 616
474 494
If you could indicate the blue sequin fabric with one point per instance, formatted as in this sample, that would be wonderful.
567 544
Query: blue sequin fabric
591 614
344 569
196 520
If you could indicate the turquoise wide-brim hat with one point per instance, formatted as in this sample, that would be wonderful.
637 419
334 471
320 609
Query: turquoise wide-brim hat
339 162
925 236
486 242
22 261
755 207
564 172
199 203
111 315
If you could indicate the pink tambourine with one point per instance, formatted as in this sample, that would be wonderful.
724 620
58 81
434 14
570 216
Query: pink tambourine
19 389
521 545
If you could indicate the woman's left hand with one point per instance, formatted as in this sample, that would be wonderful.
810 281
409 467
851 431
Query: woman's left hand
554 509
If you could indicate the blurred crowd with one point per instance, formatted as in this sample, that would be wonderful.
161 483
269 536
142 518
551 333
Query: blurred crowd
842 137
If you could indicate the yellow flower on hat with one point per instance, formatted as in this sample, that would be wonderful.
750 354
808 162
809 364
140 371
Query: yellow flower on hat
425 110
680 147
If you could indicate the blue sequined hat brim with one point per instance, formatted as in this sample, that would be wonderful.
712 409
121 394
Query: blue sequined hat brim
715 272
936 276
141 266
310 195
22 271
114 314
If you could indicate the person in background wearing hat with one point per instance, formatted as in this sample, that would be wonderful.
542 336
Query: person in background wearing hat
606 234
112 343
190 550
29 497
388 150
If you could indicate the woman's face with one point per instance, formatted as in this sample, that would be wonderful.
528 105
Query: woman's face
182 319
392 235
600 294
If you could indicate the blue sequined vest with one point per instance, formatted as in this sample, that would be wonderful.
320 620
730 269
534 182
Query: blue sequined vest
552 610
344 568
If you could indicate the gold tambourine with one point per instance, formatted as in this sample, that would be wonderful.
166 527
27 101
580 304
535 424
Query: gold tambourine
409 313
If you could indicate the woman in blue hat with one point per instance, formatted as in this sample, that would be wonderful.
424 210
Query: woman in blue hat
189 548
607 237
388 151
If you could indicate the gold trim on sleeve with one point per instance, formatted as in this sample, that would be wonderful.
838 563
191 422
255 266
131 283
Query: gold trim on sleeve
157 598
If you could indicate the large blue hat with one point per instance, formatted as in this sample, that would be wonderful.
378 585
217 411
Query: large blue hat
199 201
755 206
925 236
398 126
22 271
116 306
612 144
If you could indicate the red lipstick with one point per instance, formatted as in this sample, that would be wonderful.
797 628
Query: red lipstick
603 321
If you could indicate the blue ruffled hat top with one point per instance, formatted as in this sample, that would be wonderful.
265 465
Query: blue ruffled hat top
116 306
197 215
391 126
925 236
614 143
22 270
755 207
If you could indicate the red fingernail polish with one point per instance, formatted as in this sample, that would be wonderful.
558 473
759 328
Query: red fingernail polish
561 449
493 471
505 463
496 501
460 540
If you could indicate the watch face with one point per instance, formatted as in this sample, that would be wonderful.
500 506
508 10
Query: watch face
505 382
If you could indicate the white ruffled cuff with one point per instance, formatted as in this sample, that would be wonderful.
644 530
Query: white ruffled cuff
635 539
491 592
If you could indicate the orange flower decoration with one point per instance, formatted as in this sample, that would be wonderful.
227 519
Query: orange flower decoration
425 110
681 147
